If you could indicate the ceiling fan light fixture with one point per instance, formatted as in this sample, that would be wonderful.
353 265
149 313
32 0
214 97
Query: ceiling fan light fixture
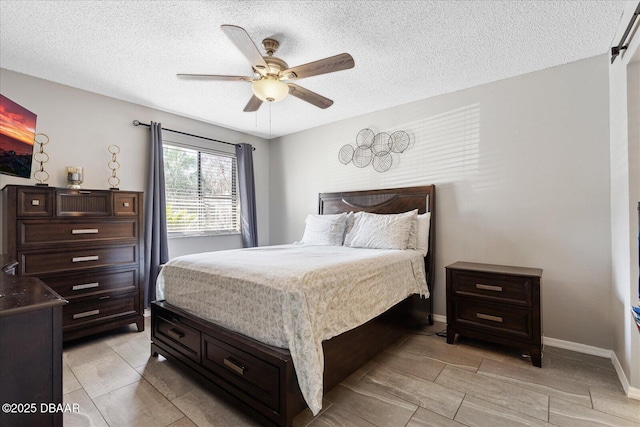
269 89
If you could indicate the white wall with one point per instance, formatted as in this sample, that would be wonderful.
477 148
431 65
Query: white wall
624 82
81 125
521 168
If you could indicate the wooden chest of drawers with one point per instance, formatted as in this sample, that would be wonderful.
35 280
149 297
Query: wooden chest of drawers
496 303
86 245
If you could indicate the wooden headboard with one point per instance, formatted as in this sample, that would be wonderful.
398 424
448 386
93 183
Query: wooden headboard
395 200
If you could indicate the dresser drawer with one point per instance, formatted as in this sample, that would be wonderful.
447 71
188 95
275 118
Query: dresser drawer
254 376
178 335
33 201
38 233
83 203
125 204
100 309
57 260
493 317
512 289
73 286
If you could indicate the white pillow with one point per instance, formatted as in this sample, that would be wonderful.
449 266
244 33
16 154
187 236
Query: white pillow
423 224
326 230
377 231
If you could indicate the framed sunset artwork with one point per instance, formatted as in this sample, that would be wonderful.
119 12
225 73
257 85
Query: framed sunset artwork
17 134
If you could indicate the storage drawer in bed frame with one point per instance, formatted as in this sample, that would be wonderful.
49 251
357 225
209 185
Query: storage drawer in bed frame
258 378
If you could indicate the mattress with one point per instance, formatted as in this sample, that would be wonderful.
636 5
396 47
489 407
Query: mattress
293 296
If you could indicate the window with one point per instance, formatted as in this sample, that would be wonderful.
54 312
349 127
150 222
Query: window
201 192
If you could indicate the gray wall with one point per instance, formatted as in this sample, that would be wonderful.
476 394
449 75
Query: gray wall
624 82
81 125
521 168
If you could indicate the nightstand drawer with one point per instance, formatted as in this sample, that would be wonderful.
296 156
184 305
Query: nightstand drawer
494 317
243 370
515 289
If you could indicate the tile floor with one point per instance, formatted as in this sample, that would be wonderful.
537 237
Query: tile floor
419 381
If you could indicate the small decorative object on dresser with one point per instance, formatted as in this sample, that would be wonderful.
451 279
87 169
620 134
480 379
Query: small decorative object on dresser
86 245
114 181
75 176
496 303
41 157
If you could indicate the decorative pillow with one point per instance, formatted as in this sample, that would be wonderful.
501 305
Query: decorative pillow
326 230
376 231
423 224
351 219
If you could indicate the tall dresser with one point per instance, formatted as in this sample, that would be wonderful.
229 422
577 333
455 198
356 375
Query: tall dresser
86 245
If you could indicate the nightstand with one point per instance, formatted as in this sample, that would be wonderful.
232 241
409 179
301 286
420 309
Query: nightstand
495 303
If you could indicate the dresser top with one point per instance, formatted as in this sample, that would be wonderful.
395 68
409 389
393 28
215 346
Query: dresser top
492 268
19 294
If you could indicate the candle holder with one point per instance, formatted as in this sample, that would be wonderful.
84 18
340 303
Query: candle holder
75 176
41 157
113 180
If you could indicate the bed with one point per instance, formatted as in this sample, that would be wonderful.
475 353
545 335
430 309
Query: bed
257 374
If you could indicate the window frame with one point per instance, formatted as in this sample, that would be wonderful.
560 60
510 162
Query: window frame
235 197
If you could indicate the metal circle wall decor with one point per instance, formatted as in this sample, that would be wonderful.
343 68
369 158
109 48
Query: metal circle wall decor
345 155
362 156
374 149
365 138
382 161
399 141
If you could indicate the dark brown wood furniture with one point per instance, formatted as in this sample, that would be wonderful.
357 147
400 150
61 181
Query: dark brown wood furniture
86 245
30 351
495 303
260 379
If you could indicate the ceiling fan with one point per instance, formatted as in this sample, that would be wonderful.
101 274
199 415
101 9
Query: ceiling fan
271 80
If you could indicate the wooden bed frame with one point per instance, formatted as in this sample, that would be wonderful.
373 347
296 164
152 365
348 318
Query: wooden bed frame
260 379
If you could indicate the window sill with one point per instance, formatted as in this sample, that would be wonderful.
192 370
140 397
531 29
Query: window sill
202 234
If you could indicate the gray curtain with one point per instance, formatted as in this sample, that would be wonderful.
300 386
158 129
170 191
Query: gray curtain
156 251
249 224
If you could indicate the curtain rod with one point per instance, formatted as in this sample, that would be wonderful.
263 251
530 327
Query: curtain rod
138 123
615 50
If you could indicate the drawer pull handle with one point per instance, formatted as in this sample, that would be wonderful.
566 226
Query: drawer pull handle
85 231
489 287
85 286
86 314
489 317
234 366
85 258
105 297
35 203
175 334
125 204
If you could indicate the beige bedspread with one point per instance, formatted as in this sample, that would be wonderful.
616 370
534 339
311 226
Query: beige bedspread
293 296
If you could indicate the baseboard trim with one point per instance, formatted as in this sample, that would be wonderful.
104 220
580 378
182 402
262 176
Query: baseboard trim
439 318
574 346
631 392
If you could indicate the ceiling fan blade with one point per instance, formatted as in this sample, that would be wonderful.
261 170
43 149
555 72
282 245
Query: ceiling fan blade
253 104
241 39
344 61
215 77
309 96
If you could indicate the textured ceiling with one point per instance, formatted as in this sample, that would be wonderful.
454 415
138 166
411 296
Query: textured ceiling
403 50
